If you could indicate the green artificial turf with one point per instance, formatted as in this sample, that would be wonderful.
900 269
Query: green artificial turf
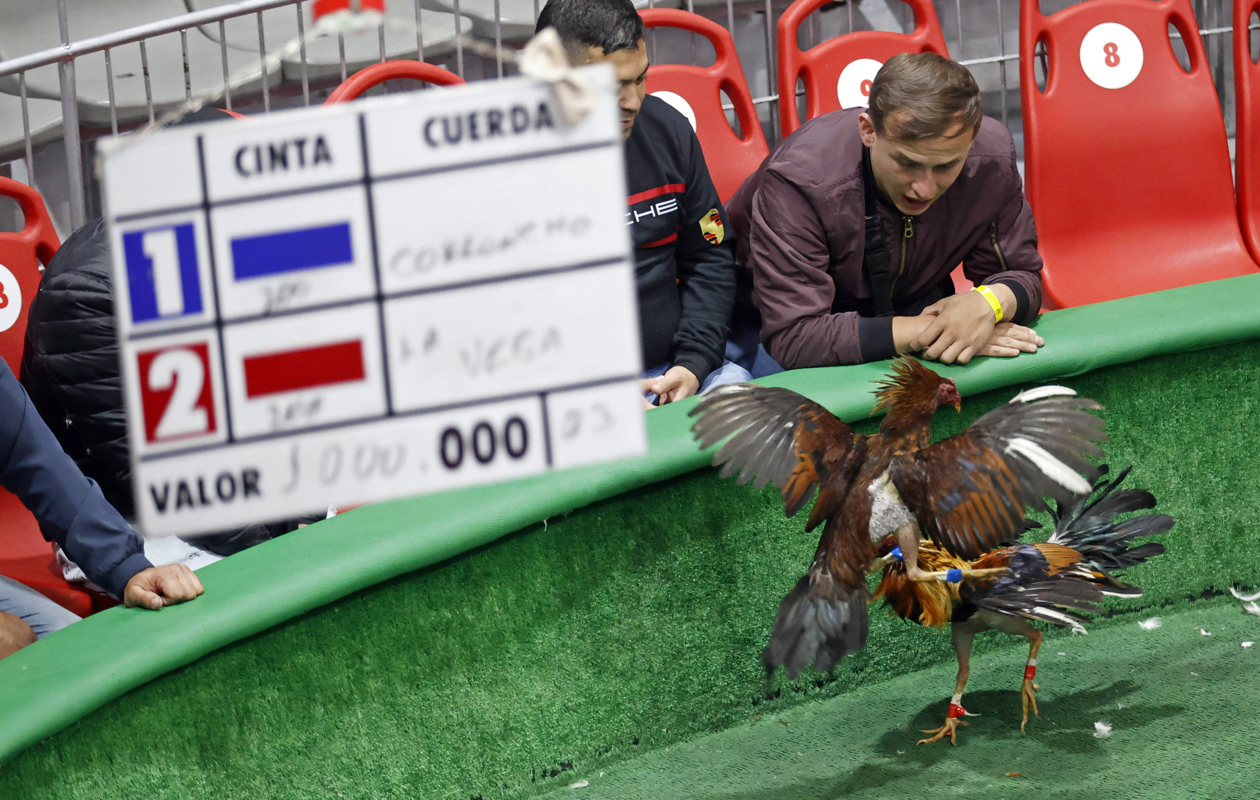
1181 729
627 626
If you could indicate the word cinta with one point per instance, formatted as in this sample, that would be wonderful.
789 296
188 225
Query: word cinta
297 153
474 126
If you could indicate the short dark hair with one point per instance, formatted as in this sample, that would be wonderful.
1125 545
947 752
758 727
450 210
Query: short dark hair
611 25
935 92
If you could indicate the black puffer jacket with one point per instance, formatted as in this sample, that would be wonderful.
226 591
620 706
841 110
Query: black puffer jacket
70 365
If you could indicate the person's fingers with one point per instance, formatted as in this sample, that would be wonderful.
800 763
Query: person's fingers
965 356
140 595
188 585
647 404
1012 342
940 346
999 351
1021 333
950 354
928 337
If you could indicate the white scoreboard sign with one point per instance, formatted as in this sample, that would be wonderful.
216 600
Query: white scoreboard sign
338 305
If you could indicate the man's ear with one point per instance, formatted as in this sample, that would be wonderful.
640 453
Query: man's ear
866 128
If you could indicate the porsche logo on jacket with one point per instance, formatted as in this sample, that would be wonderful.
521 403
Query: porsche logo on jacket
712 228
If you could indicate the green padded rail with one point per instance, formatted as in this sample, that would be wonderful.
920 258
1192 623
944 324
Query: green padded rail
63 678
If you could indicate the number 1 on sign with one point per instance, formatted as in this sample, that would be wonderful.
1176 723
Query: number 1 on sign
162 250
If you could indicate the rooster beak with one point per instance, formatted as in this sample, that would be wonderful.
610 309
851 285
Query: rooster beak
957 404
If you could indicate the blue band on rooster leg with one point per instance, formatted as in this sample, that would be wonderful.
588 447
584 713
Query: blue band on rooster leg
953 575
896 553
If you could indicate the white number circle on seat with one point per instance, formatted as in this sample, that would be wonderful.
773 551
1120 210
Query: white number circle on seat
1111 55
853 89
10 299
680 105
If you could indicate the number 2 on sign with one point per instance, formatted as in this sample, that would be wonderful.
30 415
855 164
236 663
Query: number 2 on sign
1111 53
181 369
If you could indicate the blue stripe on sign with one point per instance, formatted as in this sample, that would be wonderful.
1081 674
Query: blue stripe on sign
291 251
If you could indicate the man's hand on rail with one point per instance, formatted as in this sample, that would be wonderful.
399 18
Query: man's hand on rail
162 586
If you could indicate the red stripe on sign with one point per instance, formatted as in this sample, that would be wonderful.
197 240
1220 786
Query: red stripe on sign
668 188
304 369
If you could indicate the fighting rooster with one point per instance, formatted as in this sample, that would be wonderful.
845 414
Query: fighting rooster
967 493
1052 581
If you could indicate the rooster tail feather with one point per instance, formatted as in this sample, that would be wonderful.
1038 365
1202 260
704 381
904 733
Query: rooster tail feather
1089 526
819 622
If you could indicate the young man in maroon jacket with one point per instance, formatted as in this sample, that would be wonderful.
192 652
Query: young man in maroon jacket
684 259
925 171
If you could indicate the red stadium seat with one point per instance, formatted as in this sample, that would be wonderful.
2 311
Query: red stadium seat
1131 184
730 157
25 556
366 78
1247 136
844 65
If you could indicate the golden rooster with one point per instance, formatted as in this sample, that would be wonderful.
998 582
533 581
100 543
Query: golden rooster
1050 581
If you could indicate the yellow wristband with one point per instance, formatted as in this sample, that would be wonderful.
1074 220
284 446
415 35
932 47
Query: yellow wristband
988 294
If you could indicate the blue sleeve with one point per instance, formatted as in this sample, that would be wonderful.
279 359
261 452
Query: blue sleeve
69 507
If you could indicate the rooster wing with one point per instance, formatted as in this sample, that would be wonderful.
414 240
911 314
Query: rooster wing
781 438
969 492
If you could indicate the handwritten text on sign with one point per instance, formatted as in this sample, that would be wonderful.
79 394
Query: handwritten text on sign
347 304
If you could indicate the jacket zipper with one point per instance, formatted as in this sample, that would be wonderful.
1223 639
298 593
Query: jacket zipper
907 231
997 248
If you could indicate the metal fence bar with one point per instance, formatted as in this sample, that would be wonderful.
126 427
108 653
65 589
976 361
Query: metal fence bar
420 34
459 41
95 44
1002 64
771 71
183 44
148 86
262 64
341 53
380 36
958 16
227 81
70 125
113 103
26 132
498 38
306 82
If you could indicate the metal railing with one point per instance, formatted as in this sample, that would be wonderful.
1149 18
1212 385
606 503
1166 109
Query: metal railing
976 33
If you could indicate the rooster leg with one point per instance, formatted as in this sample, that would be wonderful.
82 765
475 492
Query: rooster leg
963 633
1018 626
908 541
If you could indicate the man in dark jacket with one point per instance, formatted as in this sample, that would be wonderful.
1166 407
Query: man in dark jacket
684 261
944 190
72 512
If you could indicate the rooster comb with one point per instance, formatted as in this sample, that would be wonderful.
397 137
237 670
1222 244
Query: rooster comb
910 380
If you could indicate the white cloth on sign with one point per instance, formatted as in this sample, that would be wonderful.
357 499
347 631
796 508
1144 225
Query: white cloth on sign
543 59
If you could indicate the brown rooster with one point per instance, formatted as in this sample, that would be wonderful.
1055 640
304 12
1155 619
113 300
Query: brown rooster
967 493
1050 581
